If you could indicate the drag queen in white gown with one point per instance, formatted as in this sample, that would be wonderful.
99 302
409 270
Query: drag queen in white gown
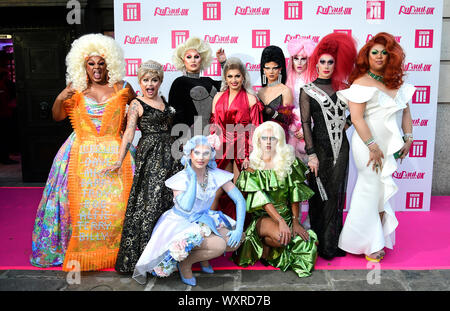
378 101
191 232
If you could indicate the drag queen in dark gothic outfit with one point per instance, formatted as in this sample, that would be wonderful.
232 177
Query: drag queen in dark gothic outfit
326 143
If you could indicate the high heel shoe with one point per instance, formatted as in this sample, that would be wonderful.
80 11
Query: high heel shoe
372 259
208 269
192 281
377 259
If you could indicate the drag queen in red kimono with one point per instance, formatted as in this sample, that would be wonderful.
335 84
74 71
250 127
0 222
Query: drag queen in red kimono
236 113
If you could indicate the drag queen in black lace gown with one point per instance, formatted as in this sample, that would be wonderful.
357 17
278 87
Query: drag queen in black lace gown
149 197
326 143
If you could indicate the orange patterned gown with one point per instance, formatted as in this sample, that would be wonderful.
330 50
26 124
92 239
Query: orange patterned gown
97 202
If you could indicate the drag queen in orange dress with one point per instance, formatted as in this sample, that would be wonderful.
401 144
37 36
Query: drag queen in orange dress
79 220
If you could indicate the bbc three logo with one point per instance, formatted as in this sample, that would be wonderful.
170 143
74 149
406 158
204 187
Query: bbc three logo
212 11
179 37
375 10
260 38
131 66
414 200
131 12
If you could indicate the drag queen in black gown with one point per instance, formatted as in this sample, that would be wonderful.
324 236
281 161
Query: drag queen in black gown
149 197
326 143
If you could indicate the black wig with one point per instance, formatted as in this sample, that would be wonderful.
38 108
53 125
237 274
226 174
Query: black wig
275 54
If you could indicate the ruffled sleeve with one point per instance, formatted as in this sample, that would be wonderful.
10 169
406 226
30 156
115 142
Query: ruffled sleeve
254 183
179 181
298 190
259 183
220 177
357 93
256 110
406 92
71 103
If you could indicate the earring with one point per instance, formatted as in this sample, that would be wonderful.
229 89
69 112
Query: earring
264 79
279 78
317 69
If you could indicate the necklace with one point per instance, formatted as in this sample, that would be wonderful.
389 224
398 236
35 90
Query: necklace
192 75
273 83
204 184
374 76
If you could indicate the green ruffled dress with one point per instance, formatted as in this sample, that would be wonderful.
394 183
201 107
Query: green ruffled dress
263 187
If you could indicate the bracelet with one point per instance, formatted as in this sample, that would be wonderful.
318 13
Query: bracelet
279 219
275 115
312 156
408 136
369 142
294 217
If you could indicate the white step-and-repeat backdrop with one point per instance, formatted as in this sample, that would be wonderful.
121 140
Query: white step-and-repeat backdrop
152 29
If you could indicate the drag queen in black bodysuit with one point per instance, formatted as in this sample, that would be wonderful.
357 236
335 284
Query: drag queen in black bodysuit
326 143
190 94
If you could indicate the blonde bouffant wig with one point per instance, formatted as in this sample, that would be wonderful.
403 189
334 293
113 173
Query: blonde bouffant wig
94 45
284 156
194 43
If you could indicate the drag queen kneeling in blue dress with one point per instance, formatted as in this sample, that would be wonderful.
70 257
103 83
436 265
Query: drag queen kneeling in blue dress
190 231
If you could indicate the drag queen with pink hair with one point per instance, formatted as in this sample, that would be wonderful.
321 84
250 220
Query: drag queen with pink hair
300 50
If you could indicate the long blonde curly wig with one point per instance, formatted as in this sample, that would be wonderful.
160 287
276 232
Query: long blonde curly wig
94 45
284 156
193 43
236 63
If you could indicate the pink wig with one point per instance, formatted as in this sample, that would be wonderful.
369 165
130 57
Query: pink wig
297 46
343 49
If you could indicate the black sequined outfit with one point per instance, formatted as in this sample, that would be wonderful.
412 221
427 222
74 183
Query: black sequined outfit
149 197
326 216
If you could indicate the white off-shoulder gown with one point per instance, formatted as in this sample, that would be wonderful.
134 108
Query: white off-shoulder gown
363 231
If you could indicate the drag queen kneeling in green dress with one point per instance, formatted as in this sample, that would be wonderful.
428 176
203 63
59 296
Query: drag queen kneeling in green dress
275 186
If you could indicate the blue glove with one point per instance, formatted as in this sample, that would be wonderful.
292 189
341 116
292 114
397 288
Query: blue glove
236 234
186 199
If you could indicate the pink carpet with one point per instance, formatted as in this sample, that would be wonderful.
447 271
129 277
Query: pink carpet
422 238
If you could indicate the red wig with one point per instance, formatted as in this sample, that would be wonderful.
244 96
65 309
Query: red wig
393 73
343 49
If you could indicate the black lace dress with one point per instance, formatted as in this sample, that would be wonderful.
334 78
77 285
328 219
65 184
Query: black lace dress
275 111
327 139
149 197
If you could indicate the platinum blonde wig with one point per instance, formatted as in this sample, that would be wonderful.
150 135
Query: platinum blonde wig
194 43
236 63
151 67
94 45
284 156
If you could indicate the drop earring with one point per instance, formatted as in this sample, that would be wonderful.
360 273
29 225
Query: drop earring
280 76
264 79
